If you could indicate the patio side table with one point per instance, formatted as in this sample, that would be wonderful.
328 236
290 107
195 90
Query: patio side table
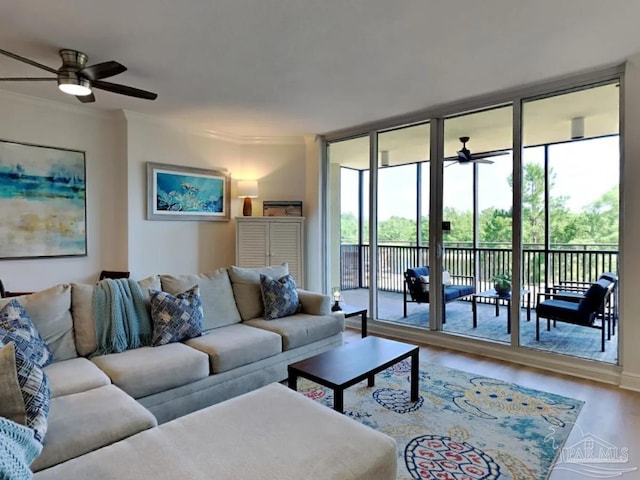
493 295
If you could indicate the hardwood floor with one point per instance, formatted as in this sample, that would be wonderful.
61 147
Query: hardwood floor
611 414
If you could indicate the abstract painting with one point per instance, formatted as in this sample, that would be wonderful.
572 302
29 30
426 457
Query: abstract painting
42 201
185 193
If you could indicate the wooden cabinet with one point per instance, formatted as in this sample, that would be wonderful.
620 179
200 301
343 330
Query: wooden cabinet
263 241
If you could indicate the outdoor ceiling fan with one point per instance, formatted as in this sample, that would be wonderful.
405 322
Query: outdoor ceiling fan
464 156
76 78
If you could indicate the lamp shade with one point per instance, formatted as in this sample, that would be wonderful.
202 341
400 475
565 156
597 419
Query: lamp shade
247 189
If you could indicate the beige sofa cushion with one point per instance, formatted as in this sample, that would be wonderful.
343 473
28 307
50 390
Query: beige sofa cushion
148 370
50 312
82 309
314 303
272 433
83 422
301 329
218 303
74 376
246 287
236 345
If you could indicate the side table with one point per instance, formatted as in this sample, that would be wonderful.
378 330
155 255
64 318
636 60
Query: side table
351 311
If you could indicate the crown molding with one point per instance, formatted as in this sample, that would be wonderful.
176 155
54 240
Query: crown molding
199 130
45 102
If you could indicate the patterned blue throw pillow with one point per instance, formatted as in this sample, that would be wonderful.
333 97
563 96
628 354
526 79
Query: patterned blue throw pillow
280 297
34 386
175 318
16 327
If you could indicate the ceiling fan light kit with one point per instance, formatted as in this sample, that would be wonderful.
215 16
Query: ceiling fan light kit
74 85
74 77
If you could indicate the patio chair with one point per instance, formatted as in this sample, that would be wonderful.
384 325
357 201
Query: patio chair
416 290
585 312
575 291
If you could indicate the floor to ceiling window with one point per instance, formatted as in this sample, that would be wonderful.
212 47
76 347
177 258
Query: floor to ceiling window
477 204
570 198
567 240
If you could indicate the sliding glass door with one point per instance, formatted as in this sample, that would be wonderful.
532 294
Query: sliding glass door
570 198
513 230
477 208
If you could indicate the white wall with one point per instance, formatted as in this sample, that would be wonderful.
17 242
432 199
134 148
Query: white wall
187 246
118 145
630 243
31 120
174 246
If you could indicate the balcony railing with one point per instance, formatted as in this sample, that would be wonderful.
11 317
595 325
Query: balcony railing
540 267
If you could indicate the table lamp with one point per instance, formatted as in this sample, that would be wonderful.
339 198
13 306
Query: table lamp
247 189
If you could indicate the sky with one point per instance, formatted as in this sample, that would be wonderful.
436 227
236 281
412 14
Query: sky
584 171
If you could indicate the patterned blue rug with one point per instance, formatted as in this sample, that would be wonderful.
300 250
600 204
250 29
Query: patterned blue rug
463 426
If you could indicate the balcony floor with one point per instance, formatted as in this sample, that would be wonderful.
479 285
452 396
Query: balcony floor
565 338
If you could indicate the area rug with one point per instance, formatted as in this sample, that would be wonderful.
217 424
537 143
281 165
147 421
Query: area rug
463 426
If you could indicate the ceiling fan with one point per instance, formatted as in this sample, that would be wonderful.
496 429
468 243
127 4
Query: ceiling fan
464 156
76 78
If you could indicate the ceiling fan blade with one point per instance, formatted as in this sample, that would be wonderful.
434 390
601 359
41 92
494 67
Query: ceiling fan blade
30 62
86 98
27 79
497 153
482 160
102 70
124 90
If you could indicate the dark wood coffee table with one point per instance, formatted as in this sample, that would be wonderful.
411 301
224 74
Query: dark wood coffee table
351 363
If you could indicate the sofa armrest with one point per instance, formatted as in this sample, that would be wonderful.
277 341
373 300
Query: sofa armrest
314 303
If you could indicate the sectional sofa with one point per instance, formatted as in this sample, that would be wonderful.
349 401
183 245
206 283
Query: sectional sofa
103 400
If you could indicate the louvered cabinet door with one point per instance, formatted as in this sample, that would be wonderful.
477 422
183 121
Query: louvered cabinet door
252 244
285 245
263 241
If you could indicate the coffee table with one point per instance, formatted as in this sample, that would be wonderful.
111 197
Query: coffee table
351 363
493 295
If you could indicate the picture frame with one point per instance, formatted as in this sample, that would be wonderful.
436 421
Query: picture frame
43 207
176 192
280 208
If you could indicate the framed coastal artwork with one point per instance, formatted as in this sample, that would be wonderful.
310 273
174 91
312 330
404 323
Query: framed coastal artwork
43 210
184 193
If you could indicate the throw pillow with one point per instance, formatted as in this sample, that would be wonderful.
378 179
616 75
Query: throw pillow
50 313
424 283
16 326
34 386
424 280
175 318
11 401
246 287
280 297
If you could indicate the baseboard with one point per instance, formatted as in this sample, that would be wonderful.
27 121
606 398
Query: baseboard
630 381
557 363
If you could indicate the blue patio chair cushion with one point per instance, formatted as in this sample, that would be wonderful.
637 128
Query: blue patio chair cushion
594 296
562 309
451 292
418 272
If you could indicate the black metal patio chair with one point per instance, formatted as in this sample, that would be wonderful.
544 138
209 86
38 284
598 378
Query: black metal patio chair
588 311
417 291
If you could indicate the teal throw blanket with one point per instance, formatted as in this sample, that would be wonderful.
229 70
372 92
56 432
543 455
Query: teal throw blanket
18 448
120 316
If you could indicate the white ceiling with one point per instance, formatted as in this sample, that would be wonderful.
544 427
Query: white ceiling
292 67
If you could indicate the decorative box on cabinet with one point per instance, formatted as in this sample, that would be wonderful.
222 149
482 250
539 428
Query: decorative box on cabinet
263 241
